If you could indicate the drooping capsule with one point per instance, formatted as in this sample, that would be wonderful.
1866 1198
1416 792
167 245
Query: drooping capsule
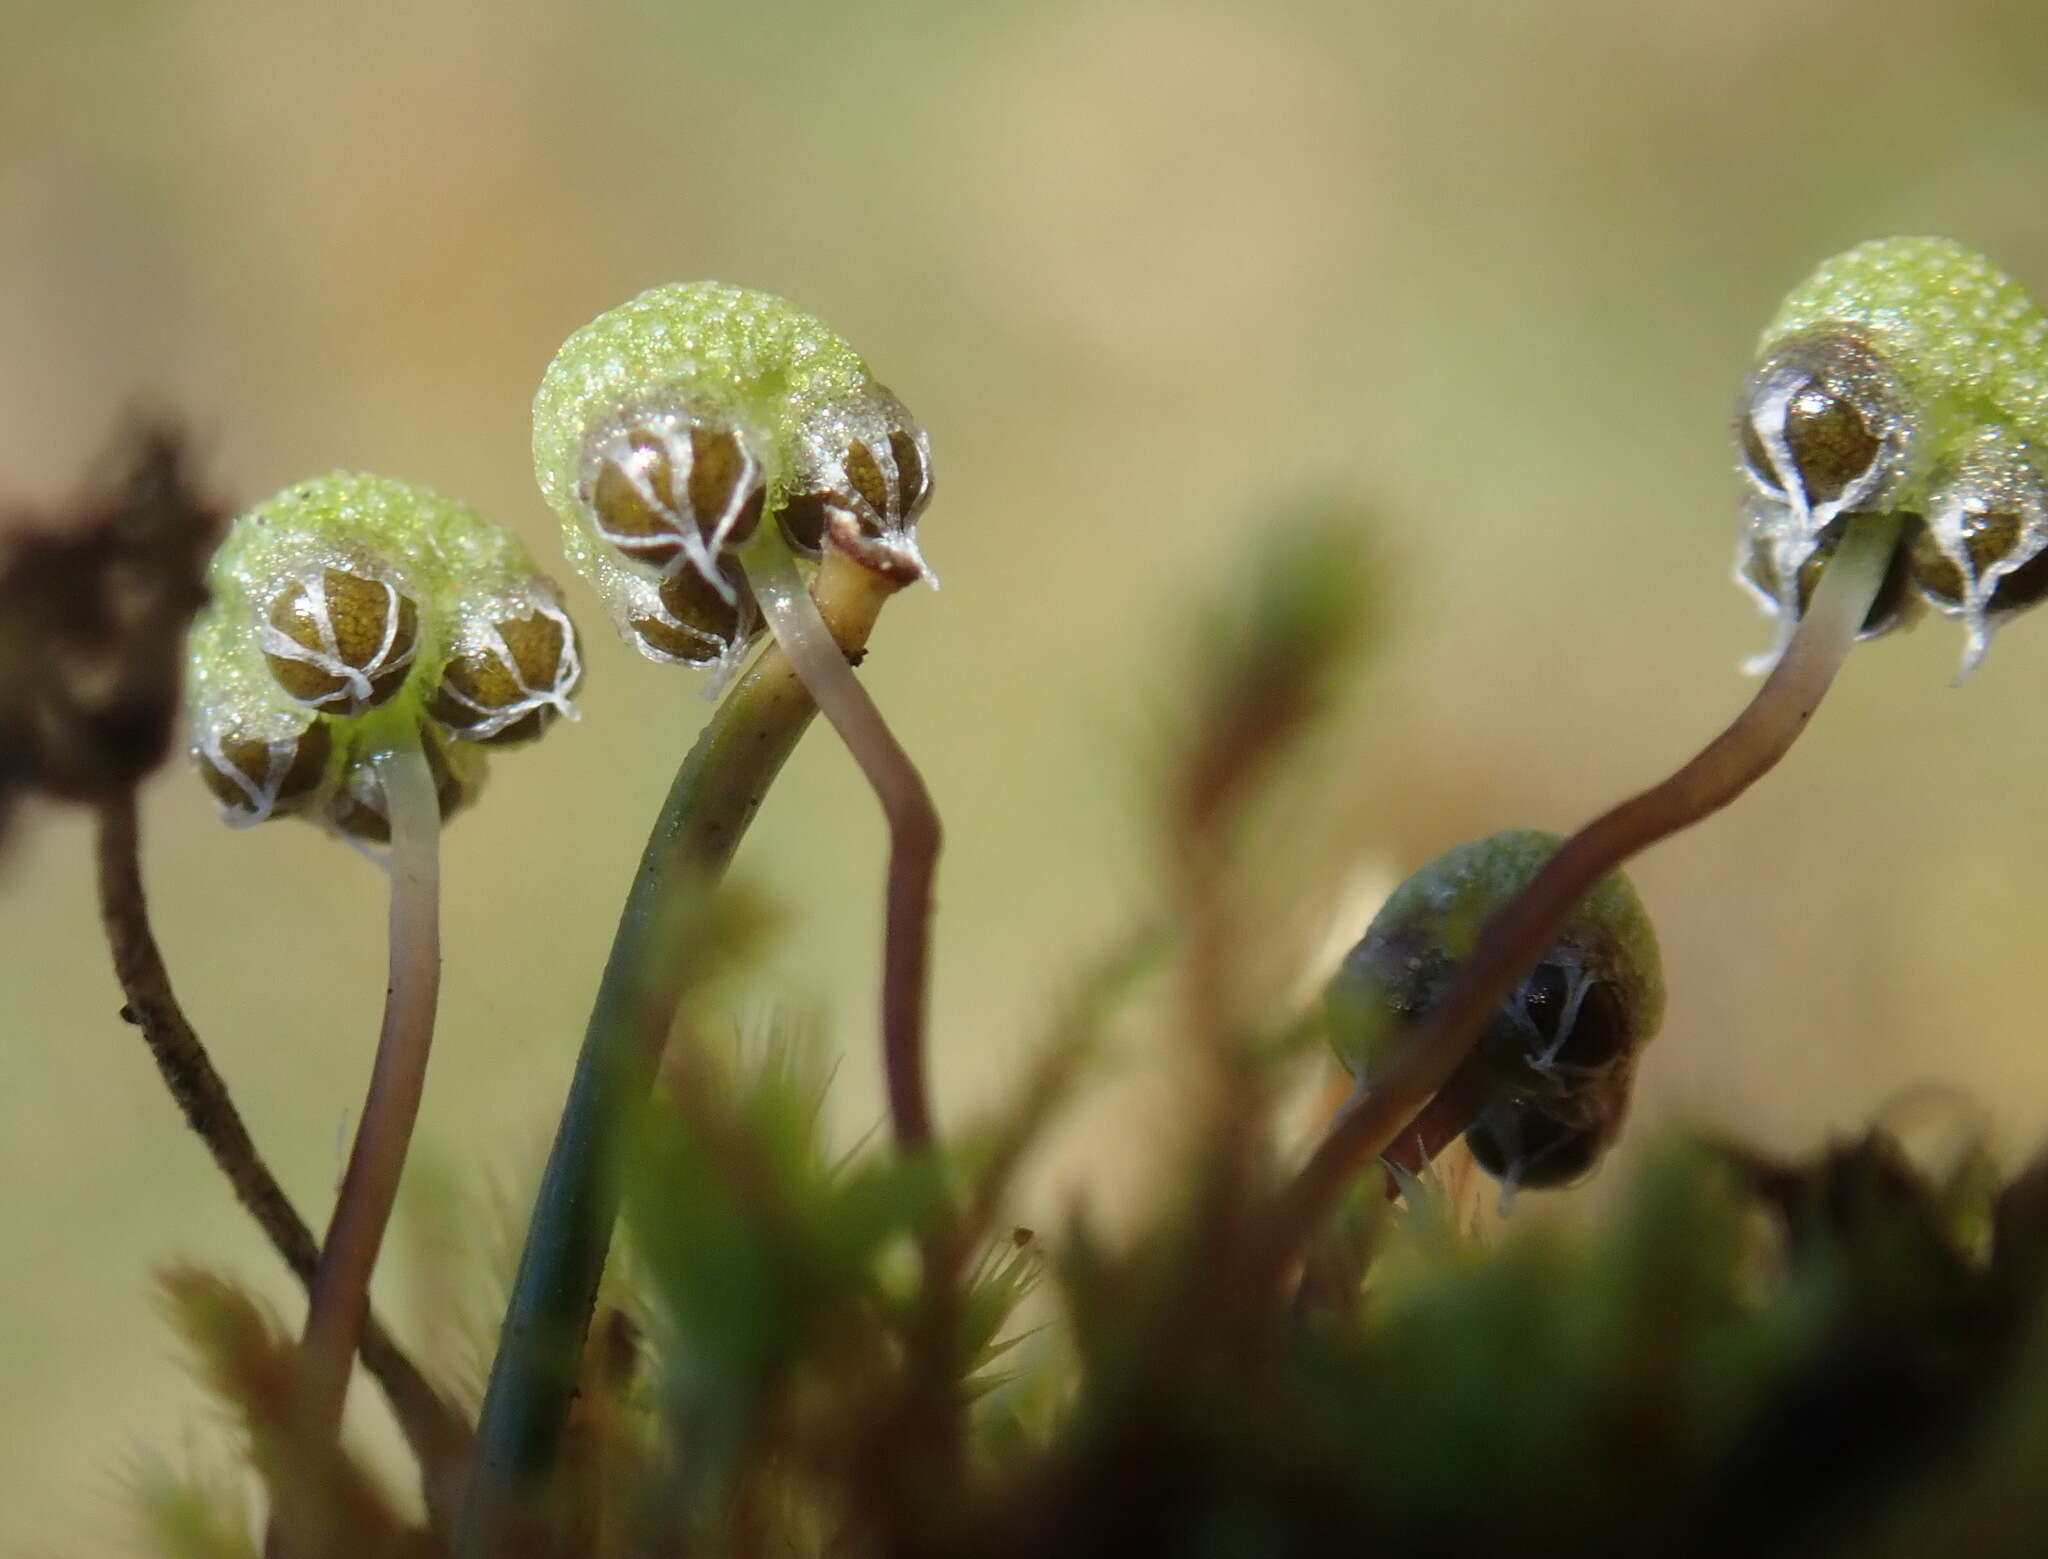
1907 376
512 660
1555 1061
691 622
256 775
1543 1142
863 466
510 676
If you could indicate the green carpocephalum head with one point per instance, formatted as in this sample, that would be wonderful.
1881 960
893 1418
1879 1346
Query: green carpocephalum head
666 432
352 611
1550 1074
1906 376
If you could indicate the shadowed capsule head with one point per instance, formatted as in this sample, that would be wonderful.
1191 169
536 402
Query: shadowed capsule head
1556 1058
1906 377
1543 1142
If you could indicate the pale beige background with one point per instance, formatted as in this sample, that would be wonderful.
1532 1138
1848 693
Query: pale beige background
1146 269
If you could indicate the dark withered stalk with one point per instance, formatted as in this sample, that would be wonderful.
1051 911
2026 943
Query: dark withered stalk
94 609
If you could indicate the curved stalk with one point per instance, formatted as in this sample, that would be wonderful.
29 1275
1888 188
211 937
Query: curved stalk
1520 932
716 793
914 834
432 1427
369 1186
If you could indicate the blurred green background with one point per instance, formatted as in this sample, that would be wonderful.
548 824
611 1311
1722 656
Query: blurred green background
1149 271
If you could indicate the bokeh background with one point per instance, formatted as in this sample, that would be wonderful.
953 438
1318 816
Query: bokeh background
1151 272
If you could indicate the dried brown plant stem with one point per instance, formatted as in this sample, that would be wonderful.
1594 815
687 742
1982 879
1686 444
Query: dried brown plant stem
434 1429
369 1186
1519 933
914 832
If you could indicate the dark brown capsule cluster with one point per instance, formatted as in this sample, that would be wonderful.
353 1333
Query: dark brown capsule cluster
95 600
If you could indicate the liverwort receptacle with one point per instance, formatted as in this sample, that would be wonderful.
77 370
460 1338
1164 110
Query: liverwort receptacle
697 442
365 639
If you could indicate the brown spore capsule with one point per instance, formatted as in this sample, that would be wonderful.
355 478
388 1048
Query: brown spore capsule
803 521
674 492
876 485
726 492
255 780
1560 1029
1988 540
1829 440
913 476
695 623
632 496
512 683
339 641
1831 399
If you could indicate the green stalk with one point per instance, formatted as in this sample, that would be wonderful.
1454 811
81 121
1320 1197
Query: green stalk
716 793
1527 925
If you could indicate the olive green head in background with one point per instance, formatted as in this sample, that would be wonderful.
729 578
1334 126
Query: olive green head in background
1548 1079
